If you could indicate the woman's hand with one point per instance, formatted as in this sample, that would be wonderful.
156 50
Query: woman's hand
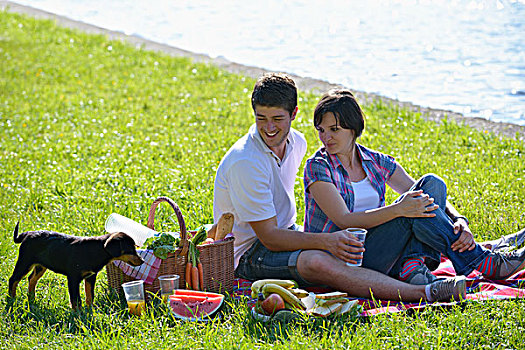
416 204
344 246
466 240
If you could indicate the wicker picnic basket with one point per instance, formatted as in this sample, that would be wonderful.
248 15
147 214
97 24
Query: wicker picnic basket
216 259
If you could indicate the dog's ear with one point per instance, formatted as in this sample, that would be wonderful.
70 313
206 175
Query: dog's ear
113 244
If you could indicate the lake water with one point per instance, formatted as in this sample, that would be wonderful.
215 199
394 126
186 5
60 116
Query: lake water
464 56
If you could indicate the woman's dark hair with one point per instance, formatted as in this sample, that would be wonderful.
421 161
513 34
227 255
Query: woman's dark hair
342 103
275 90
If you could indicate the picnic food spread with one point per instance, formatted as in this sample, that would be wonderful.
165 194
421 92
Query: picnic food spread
190 304
200 262
276 296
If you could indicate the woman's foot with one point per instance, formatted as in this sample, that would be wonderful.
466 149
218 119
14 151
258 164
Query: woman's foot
414 271
502 265
505 243
421 275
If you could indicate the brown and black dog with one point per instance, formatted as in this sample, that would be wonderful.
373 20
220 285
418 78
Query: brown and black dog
78 258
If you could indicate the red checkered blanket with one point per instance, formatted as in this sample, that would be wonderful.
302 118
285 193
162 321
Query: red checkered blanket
478 289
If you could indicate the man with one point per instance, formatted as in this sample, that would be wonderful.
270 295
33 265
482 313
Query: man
255 181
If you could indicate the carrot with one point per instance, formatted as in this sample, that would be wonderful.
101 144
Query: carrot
188 268
192 272
199 237
201 275
188 274
195 277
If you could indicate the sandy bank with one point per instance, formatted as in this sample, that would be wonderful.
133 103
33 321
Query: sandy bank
304 83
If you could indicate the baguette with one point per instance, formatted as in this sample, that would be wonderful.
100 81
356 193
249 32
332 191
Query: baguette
224 226
211 232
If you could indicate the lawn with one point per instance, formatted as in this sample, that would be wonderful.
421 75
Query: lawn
91 126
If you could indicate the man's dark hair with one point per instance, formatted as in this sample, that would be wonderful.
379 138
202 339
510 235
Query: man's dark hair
346 110
275 90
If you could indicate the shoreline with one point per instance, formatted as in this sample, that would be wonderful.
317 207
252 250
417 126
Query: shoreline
508 130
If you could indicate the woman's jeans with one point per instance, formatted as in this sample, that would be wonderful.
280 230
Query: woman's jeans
390 244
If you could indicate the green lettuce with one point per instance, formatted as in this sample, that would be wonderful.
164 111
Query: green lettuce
162 244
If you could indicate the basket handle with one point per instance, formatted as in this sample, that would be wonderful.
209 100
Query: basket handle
182 224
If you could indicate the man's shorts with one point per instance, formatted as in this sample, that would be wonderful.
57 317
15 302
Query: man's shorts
258 262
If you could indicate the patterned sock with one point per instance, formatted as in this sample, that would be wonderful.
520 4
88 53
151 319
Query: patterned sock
427 293
409 266
486 267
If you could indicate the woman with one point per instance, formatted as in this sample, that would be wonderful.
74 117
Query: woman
345 186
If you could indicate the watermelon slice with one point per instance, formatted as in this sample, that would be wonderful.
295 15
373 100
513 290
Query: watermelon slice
192 305
195 293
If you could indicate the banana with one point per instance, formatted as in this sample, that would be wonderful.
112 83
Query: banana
257 285
287 296
288 306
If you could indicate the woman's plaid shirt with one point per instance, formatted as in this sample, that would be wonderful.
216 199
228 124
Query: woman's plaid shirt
323 166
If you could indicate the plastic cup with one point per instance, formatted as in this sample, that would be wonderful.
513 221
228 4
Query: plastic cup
360 235
168 283
134 292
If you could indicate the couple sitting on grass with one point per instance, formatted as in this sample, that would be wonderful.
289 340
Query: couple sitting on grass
345 185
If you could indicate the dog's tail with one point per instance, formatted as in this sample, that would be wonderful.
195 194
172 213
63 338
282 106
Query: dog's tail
16 237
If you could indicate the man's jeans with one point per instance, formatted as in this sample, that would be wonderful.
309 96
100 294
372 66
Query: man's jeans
390 244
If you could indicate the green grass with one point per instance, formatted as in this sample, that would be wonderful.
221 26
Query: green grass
91 126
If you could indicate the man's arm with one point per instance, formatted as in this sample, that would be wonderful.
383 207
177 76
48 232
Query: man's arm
340 243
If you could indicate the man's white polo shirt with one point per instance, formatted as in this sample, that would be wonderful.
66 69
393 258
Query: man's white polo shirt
254 184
